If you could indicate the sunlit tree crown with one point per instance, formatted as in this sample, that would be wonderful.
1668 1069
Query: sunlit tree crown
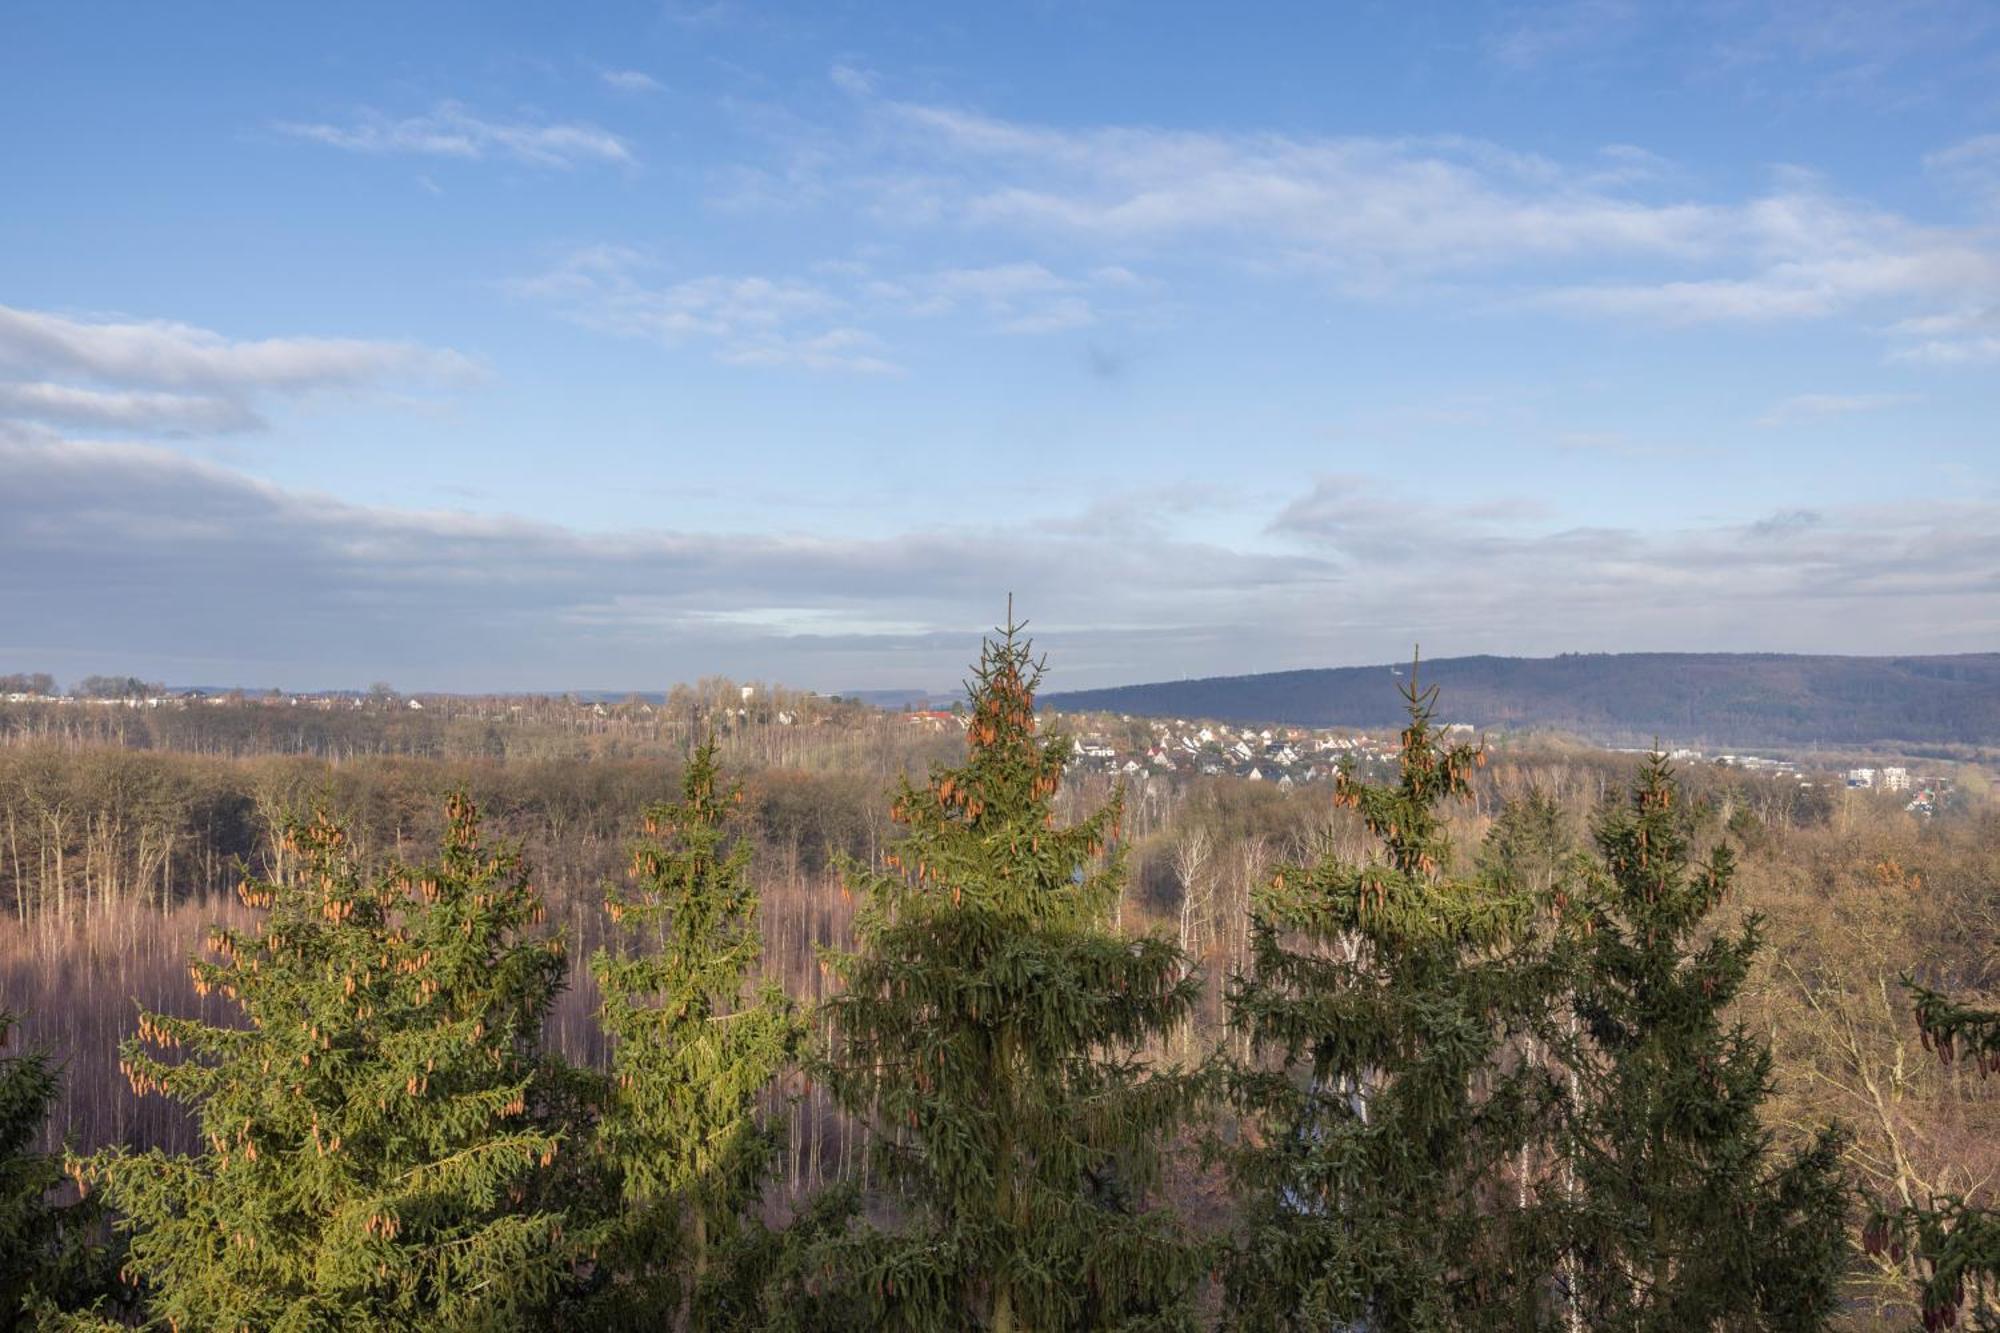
991 1026
372 1156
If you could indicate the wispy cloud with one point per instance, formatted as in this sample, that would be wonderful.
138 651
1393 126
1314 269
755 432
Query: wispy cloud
1971 167
1614 235
1367 212
125 409
1840 49
159 376
1853 48
832 320
1363 520
172 355
1805 408
1615 443
1537 34
1022 297
1951 351
852 350
631 81
848 79
1967 336
747 320
1799 253
450 130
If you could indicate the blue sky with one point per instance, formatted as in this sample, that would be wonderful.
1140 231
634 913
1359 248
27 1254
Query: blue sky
481 346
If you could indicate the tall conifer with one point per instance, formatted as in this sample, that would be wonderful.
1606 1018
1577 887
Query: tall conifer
989 1025
1685 1217
1379 1121
691 1055
372 1145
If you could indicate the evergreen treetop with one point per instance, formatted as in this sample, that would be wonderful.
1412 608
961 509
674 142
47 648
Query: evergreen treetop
1380 1121
691 1051
1685 1216
372 1144
991 1026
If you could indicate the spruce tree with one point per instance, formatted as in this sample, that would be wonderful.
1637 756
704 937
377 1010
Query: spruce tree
1530 849
1380 1122
691 1054
50 1251
1686 1216
990 1025
373 1151
1956 1242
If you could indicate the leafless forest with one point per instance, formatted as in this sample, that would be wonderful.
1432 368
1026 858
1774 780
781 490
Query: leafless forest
122 837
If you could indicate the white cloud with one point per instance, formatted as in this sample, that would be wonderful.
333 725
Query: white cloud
1805 408
450 130
155 375
1967 336
998 287
828 322
1364 209
748 320
126 409
170 355
631 81
1070 312
1022 297
1803 253
1617 234
1951 351
855 351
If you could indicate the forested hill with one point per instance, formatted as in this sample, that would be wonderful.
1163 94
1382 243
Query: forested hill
1742 699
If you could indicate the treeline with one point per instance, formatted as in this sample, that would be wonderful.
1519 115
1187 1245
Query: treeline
90 687
771 726
1473 1047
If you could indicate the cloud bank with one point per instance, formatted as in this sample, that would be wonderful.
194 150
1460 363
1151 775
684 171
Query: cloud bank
130 557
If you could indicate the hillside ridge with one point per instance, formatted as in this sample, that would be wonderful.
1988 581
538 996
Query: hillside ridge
1733 698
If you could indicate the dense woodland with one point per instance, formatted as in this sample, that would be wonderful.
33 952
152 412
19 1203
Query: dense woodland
847 1022
1932 705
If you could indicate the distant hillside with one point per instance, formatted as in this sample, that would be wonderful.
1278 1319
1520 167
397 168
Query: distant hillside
1742 699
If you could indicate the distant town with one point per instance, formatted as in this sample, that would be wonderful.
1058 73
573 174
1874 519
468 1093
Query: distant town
1291 755
1113 745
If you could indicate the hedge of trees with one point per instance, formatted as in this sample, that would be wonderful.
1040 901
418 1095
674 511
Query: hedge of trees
1504 1087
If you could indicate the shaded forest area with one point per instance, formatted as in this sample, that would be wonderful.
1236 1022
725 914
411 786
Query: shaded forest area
1935 704
764 727
115 860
